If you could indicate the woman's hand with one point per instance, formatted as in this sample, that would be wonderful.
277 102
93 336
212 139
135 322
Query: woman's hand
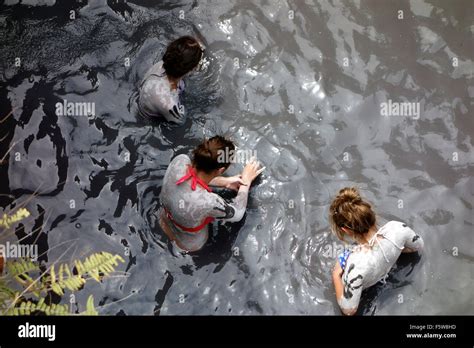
251 170
229 182
233 182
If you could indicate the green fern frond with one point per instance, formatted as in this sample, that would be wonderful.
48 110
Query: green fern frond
98 263
94 265
90 308
28 307
6 293
21 267
57 279
7 220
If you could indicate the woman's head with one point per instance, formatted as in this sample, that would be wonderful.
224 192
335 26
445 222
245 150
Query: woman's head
350 215
214 154
182 56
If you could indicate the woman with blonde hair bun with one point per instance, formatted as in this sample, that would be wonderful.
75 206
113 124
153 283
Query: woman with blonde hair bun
374 252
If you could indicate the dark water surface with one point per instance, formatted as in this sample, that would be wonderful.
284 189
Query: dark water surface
277 85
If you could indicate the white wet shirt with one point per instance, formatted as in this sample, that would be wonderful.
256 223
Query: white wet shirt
158 99
190 207
366 266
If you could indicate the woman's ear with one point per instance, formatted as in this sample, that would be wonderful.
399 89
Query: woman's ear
347 231
221 170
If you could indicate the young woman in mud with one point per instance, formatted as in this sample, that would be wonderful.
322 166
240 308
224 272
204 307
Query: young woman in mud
163 84
189 205
375 250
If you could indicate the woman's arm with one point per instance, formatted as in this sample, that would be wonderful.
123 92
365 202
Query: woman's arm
176 114
408 250
413 242
230 182
337 280
347 299
218 181
234 210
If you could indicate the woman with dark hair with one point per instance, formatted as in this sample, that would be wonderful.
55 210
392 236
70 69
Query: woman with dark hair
163 84
189 205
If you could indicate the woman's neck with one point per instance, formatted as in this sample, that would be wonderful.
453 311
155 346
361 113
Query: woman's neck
364 239
173 82
207 178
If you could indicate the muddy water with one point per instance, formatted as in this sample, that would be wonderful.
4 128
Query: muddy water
301 83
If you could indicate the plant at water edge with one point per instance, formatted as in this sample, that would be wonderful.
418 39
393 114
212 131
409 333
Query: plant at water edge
26 289
33 299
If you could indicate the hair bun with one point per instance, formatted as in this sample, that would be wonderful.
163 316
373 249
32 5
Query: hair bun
349 210
349 195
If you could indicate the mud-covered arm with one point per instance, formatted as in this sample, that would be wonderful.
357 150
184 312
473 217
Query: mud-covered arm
230 182
219 181
413 241
175 113
233 210
348 289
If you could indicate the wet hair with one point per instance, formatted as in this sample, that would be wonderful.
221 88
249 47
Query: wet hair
349 210
210 154
182 56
